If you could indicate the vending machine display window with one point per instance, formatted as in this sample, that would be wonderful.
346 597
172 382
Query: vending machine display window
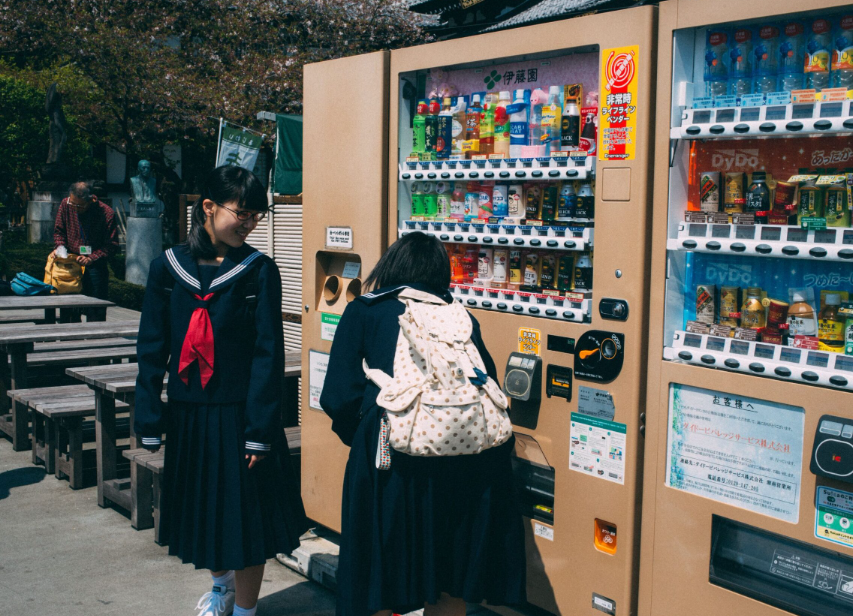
498 162
759 200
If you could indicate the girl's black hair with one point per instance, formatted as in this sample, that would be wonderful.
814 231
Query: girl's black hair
416 258
223 185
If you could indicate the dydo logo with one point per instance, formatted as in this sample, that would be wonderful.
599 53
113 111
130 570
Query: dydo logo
619 70
727 160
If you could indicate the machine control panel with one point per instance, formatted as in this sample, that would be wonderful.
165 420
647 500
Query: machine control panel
832 455
599 356
614 309
523 380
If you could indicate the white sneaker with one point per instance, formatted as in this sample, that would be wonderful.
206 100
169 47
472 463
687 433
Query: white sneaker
217 602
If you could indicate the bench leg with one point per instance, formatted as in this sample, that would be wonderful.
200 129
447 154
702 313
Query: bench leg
105 441
20 413
37 437
60 457
155 492
141 497
75 454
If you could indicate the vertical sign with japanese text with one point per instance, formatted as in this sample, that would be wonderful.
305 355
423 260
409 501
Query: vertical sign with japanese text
736 450
618 132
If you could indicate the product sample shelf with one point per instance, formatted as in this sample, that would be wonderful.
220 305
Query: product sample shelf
770 360
765 241
516 236
823 118
507 169
574 306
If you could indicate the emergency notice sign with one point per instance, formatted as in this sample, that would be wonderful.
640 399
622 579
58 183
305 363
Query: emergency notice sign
618 131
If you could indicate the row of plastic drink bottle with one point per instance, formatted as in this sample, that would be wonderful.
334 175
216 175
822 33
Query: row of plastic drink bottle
510 202
780 57
525 127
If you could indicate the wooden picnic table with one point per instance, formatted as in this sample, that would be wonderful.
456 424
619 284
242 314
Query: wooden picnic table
70 307
118 382
16 343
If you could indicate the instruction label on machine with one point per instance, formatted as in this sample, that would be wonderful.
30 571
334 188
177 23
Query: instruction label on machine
318 364
736 450
619 103
328 325
596 403
819 574
529 340
339 238
597 448
834 516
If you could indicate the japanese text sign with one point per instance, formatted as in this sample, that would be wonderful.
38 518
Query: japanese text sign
619 101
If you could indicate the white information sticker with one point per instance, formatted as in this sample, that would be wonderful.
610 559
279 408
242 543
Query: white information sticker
318 363
339 238
351 269
834 516
596 402
597 448
736 450
328 325
540 530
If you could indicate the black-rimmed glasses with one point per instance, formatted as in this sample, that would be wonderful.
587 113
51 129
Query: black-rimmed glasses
244 215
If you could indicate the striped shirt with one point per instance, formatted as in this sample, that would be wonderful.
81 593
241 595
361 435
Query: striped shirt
96 228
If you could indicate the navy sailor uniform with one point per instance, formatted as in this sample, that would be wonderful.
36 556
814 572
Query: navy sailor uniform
217 331
427 525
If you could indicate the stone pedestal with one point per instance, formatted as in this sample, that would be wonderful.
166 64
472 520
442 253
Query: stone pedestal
144 244
41 213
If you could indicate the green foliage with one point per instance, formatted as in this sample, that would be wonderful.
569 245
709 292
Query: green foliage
139 75
24 135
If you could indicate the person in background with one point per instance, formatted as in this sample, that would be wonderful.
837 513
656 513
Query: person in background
87 229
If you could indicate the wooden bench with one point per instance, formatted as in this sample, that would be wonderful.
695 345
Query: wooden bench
58 417
63 355
149 469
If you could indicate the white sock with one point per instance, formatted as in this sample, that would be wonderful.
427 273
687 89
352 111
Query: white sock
242 611
226 580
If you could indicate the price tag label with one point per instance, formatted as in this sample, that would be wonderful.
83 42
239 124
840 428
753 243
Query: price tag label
540 530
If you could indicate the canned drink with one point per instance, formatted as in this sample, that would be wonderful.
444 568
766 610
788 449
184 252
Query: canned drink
499 200
485 264
549 202
785 195
729 306
515 275
709 191
533 201
500 262
735 196
515 201
705 303
777 313
837 210
532 271
811 202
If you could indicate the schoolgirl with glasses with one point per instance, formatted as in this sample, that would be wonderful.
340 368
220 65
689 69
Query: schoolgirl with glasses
211 318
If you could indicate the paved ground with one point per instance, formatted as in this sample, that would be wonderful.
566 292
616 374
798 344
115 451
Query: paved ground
62 554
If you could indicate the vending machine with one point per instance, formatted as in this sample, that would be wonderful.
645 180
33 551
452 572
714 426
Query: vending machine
748 500
527 153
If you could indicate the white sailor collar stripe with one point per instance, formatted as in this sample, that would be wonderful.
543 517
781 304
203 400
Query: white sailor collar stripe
181 274
234 273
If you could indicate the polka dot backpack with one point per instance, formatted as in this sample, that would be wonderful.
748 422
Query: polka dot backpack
440 401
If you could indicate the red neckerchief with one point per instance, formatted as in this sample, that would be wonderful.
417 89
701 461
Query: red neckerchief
198 345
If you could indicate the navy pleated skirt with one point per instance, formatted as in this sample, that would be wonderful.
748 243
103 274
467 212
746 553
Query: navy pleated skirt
428 526
215 512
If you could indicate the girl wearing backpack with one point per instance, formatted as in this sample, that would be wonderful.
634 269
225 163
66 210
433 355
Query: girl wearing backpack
211 317
421 528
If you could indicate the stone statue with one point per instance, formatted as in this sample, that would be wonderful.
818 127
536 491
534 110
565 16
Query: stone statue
58 133
55 170
144 187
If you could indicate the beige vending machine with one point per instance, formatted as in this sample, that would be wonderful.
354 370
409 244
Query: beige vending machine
528 153
748 500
